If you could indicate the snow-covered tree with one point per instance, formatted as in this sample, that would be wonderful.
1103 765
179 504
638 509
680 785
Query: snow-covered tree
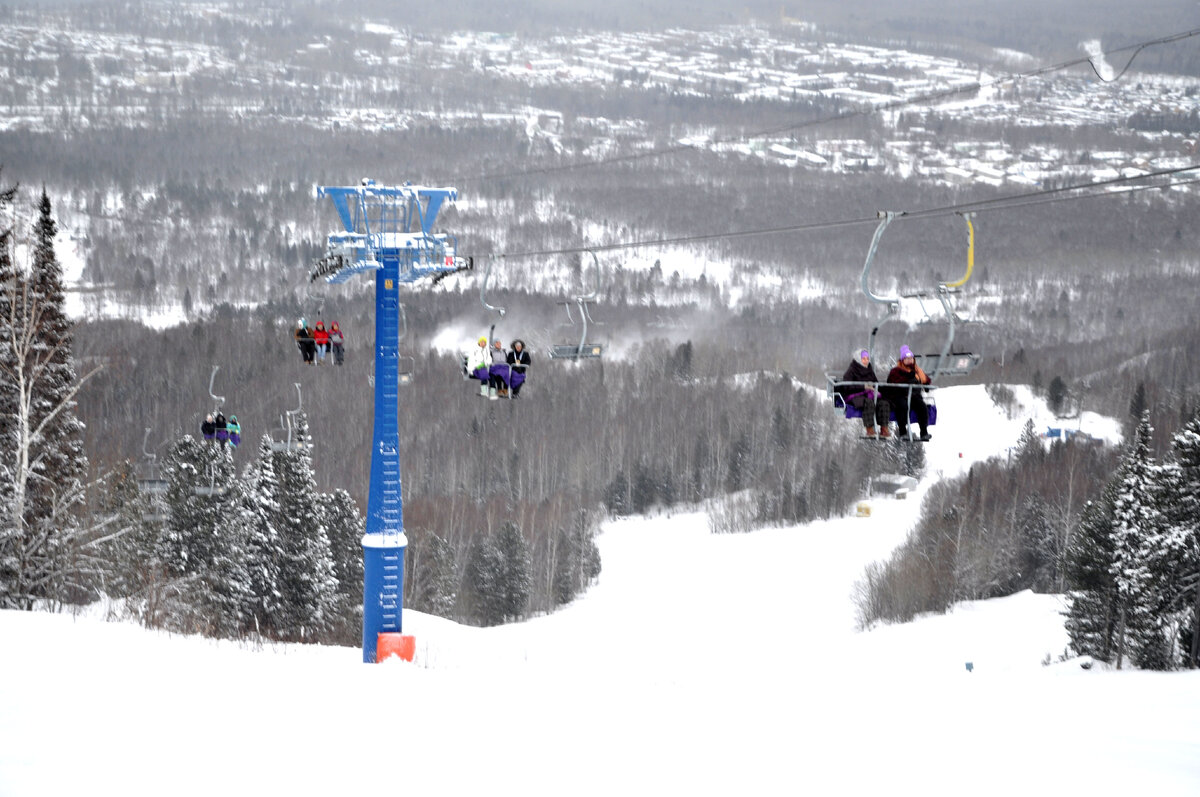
482 582
42 478
576 560
516 571
435 587
200 545
1178 559
1092 613
307 580
1116 608
1037 554
1137 524
345 526
255 516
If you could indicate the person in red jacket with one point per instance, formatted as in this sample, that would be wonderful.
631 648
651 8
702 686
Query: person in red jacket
321 339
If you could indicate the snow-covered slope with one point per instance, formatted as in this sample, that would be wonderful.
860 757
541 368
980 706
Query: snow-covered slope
699 664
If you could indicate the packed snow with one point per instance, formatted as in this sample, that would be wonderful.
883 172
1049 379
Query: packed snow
697 664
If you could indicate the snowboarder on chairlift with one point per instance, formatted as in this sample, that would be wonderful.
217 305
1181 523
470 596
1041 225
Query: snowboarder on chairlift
860 391
222 428
235 431
906 400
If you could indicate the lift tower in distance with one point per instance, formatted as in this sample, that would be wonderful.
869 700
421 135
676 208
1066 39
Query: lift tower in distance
387 230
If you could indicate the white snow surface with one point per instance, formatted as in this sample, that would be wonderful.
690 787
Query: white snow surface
697 664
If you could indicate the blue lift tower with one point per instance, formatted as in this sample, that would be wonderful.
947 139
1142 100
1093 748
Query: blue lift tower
387 230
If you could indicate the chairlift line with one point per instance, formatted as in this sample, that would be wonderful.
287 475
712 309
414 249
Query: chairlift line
1015 201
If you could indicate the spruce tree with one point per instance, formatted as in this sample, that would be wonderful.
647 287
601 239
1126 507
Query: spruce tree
126 566
576 560
1136 534
256 514
516 571
40 436
201 546
435 580
1037 554
1178 562
1091 616
308 584
482 582
56 491
345 526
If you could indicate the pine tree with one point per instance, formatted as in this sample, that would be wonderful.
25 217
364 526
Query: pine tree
60 470
576 560
308 584
1037 556
125 563
40 437
345 527
1178 562
516 571
201 546
436 583
1056 394
482 582
1029 449
257 512
1136 533
1092 613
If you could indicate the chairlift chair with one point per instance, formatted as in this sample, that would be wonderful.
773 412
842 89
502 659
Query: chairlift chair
150 480
581 350
405 364
484 390
288 443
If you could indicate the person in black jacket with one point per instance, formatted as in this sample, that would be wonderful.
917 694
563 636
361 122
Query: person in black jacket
518 360
907 399
860 390
208 427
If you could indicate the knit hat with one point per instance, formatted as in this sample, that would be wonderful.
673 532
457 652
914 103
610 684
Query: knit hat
905 352
482 340
864 353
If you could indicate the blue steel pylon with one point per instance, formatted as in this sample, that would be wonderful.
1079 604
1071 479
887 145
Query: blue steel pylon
388 230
